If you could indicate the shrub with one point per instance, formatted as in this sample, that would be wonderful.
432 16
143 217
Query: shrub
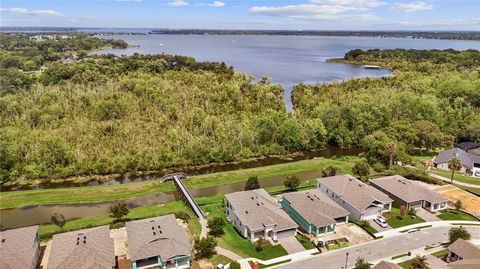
329 171
204 247
252 183
216 226
292 182
260 243
118 211
234 265
458 232
182 215
361 169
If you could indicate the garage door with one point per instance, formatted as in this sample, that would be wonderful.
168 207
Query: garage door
285 233
371 213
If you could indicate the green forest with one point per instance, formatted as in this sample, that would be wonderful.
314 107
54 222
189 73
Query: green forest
103 114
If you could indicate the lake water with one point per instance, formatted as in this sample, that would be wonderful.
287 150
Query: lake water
287 60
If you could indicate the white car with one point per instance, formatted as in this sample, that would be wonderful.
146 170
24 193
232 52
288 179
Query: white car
381 221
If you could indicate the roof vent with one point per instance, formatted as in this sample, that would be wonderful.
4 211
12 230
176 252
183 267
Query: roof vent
154 233
246 211
258 204
3 240
251 197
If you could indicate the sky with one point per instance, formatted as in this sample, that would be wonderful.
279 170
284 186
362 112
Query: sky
246 14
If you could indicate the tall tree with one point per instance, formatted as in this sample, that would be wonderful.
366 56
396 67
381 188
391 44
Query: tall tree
391 148
454 164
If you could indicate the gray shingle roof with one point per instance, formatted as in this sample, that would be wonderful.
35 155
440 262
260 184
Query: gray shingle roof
160 236
18 247
316 207
469 253
386 265
407 190
467 159
257 209
354 192
468 145
464 249
82 249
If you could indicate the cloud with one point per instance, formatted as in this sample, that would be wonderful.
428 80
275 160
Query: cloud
178 3
36 12
436 23
322 10
412 6
216 4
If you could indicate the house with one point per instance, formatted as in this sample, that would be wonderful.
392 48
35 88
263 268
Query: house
410 194
255 214
158 242
362 201
470 162
314 211
19 248
83 249
470 147
463 254
386 265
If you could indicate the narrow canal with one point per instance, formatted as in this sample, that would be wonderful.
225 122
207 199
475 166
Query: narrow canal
41 214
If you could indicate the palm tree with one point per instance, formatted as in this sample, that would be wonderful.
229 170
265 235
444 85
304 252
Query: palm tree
455 164
391 148
419 262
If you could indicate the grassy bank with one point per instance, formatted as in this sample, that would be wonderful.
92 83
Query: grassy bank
451 214
457 177
92 194
46 231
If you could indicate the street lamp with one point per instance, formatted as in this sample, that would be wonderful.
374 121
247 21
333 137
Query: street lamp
346 260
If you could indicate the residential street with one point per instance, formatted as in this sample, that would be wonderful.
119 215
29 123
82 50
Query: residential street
378 249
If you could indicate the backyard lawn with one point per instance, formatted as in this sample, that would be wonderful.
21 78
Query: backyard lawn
394 219
232 240
451 214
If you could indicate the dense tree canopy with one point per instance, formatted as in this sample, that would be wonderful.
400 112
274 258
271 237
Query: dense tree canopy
432 101
104 114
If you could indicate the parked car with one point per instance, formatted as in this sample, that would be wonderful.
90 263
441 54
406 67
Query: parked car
477 173
381 221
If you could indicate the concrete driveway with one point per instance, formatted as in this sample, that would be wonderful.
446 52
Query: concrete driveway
427 216
378 227
291 245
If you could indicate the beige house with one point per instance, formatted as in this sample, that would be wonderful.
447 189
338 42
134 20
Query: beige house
19 248
158 243
463 255
314 211
410 193
83 249
361 200
255 214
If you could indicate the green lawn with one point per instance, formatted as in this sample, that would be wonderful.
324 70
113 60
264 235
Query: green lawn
451 214
366 226
90 194
440 253
217 259
457 177
476 191
46 231
305 241
232 240
394 219
406 264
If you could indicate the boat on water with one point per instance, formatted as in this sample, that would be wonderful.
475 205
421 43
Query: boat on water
367 66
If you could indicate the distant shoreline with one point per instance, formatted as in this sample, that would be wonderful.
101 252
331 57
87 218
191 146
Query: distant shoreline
445 35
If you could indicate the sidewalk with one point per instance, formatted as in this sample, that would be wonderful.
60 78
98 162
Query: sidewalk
412 228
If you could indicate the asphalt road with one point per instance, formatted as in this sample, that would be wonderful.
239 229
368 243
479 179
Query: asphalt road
378 249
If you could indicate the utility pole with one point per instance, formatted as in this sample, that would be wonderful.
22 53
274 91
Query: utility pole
346 260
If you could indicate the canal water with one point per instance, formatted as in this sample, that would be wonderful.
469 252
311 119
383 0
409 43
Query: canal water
327 152
32 215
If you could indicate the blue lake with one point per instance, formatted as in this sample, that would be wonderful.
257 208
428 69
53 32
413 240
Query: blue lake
287 60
